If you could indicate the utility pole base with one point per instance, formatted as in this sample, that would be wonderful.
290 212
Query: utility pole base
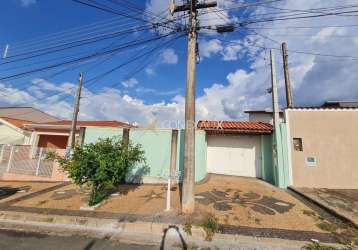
188 207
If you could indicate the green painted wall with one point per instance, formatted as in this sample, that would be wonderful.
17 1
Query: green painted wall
281 173
267 164
95 133
200 154
156 145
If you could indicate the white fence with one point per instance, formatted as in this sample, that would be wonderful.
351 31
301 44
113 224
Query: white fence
25 160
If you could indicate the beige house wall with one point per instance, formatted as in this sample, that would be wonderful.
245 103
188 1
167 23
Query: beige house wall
332 137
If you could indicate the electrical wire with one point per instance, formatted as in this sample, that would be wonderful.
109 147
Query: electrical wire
95 79
297 51
81 59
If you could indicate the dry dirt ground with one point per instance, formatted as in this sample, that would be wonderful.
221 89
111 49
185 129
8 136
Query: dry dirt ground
240 205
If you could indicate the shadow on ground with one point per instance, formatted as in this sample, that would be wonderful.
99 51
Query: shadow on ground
6 191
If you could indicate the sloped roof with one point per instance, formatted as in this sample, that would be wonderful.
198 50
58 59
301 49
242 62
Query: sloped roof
236 127
27 114
92 123
16 122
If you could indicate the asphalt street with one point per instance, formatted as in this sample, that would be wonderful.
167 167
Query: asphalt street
18 240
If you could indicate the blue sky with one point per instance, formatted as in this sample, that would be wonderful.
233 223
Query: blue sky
231 77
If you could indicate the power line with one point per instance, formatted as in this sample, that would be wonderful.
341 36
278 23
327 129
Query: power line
81 59
314 10
240 6
134 7
95 79
66 69
294 18
81 34
148 56
306 27
106 9
297 51
73 44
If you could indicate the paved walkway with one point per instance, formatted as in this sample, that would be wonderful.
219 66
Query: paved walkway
342 201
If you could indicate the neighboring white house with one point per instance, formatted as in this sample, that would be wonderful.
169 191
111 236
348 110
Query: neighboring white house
29 126
12 121
12 133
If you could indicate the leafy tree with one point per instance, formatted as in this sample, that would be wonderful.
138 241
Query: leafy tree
102 165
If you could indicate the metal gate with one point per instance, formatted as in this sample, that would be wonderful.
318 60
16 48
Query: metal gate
26 160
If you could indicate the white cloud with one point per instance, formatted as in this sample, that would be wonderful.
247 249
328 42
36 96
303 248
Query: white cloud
26 3
314 78
130 83
169 56
150 71
13 96
142 90
209 48
230 52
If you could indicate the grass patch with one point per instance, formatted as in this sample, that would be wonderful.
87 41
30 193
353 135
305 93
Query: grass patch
317 246
309 213
327 227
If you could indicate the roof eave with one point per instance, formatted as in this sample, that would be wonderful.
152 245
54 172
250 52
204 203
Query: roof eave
238 131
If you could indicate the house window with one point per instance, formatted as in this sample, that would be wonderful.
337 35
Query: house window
297 144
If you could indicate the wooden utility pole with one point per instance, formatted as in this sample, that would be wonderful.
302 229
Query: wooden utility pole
275 107
76 109
276 116
192 7
289 98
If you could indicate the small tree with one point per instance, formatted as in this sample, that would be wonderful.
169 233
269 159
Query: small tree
102 165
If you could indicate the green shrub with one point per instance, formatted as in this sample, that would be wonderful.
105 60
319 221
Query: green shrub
102 165
210 225
187 227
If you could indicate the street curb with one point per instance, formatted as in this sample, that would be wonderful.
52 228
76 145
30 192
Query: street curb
135 232
324 207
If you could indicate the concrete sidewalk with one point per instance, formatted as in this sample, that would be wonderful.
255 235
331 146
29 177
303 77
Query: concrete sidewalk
342 202
168 236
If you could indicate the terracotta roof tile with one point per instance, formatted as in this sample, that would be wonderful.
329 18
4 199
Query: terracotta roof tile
244 127
16 122
92 123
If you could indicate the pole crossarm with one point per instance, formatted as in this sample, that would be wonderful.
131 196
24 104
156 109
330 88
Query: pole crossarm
187 7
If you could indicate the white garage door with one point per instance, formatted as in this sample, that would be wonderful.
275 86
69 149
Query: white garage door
234 155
